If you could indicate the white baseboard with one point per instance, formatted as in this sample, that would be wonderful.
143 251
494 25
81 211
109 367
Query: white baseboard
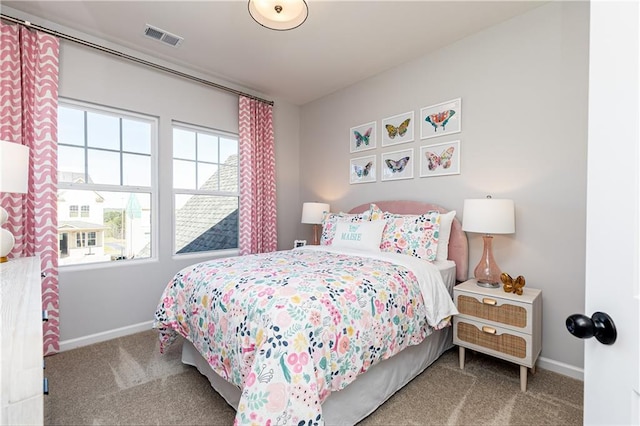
561 368
66 345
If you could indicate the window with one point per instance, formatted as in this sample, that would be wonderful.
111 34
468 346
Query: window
106 168
91 239
86 239
205 183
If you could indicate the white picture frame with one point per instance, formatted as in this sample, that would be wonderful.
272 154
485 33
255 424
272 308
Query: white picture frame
398 129
441 119
362 169
363 137
440 159
397 165
299 243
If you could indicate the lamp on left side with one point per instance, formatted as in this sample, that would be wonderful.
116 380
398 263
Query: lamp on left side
313 213
14 178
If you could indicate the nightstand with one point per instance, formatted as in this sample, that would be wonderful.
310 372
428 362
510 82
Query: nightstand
500 324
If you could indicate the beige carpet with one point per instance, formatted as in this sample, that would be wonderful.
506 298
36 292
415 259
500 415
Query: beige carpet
126 381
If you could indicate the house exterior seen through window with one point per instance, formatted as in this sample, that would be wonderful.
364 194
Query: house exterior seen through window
106 164
205 186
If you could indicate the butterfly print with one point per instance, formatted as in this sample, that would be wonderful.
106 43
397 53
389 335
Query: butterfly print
440 119
363 171
443 159
394 131
362 139
397 166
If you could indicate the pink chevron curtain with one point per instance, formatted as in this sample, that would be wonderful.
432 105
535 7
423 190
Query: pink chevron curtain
257 178
29 113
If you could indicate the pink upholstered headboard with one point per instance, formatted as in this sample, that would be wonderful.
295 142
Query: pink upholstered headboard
458 245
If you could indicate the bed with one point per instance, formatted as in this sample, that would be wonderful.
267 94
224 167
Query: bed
308 346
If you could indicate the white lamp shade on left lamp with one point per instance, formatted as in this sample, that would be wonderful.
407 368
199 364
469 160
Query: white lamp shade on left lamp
14 178
313 213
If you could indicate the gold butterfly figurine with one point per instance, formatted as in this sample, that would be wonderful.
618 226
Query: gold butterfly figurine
511 285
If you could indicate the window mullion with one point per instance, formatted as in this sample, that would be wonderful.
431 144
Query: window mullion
86 146
121 153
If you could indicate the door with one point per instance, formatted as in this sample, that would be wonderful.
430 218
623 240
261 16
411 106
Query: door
611 374
64 245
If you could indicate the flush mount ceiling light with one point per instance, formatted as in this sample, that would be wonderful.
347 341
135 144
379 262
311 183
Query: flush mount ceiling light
279 15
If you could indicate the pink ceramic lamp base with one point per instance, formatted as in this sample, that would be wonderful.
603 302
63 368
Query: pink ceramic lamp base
487 273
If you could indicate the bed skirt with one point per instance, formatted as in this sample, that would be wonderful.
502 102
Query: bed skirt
361 397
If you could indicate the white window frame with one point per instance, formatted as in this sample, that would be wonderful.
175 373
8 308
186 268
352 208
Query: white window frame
215 253
153 189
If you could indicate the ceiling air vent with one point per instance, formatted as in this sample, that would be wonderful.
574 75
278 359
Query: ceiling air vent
163 36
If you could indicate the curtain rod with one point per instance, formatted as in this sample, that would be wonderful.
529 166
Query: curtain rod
131 58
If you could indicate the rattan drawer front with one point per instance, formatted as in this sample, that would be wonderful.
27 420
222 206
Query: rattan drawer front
500 324
504 343
508 314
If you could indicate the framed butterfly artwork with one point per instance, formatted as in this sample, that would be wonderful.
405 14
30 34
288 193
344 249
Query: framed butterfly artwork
441 119
362 169
363 137
441 159
398 129
397 165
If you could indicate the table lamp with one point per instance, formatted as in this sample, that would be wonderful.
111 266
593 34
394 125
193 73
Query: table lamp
14 177
488 216
313 213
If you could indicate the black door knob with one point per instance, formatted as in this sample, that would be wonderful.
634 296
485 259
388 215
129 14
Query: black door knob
599 325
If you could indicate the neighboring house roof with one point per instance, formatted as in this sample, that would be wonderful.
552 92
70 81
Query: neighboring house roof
222 235
74 177
79 225
206 221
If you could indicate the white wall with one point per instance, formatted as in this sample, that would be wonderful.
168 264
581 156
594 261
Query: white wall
523 85
101 298
105 300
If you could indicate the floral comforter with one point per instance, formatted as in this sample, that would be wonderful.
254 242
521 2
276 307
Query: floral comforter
290 327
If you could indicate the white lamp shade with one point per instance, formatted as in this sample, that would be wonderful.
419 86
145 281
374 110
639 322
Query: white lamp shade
489 216
313 212
14 167
280 15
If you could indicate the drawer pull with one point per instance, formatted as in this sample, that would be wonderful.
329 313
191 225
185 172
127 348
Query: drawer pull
488 301
488 330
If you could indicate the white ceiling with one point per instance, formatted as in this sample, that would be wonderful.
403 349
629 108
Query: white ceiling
341 42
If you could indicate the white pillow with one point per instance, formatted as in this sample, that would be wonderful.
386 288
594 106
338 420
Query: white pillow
365 236
446 219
